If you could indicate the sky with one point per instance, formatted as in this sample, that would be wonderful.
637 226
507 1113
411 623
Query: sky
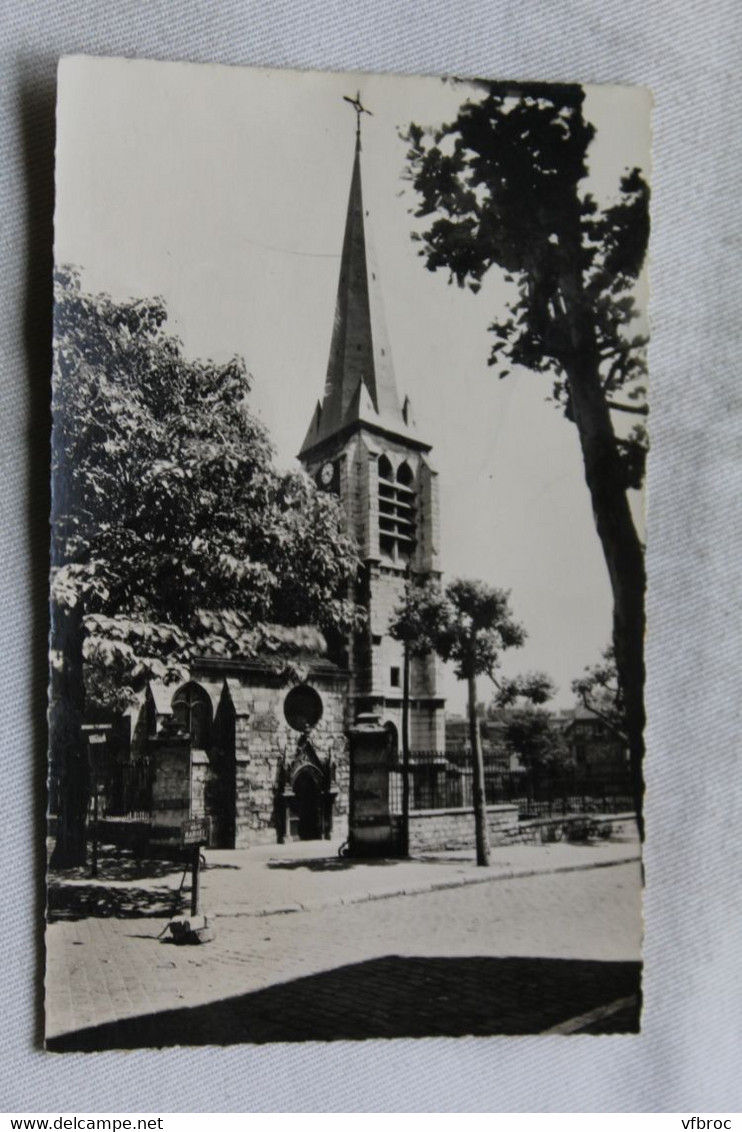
224 190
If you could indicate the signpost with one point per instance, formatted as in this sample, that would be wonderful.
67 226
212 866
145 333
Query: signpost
197 928
97 737
195 832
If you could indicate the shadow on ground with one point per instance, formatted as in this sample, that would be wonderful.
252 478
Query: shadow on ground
332 864
72 894
120 865
391 997
79 901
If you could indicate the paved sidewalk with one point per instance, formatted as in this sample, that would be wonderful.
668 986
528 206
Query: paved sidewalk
309 876
303 876
105 954
513 956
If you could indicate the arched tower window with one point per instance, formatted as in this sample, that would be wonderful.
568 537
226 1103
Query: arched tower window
405 474
386 472
406 516
192 709
397 511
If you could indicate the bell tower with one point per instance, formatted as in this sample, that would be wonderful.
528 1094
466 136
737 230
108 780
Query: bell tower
362 444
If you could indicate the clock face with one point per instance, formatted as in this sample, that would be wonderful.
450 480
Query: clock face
326 474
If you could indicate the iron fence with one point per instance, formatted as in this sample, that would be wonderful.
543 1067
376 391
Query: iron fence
117 790
437 782
571 795
126 791
442 780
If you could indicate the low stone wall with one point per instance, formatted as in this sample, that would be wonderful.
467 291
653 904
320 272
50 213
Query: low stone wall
605 827
433 830
577 827
436 830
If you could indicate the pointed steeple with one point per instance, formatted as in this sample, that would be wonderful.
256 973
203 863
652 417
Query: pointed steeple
360 385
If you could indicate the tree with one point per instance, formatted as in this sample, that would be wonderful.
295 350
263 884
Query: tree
418 624
527 729
531 734
600 692
503 184
471 625
172 529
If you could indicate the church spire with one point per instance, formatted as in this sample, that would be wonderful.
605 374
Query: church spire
360 387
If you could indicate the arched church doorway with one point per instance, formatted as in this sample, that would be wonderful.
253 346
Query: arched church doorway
393 734
308 805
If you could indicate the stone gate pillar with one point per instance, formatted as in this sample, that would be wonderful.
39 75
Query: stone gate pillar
172 787
371 829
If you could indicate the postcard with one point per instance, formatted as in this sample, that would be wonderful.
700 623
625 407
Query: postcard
347 592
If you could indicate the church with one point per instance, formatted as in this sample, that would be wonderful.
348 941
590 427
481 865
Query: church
258 743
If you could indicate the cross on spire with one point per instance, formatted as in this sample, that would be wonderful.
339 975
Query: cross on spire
359 109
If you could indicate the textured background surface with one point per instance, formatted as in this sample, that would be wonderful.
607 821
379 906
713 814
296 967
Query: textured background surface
688 1055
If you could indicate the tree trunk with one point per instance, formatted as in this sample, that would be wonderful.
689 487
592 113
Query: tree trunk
68 754
480 805
405 847
621 546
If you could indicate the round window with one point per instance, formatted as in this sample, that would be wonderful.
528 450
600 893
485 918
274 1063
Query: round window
302 708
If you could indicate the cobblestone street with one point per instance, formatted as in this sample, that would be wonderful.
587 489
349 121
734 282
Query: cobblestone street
518 955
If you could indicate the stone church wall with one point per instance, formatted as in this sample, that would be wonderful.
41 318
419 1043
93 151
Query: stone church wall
241 780
265 745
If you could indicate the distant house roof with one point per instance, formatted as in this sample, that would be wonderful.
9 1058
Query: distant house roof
581 714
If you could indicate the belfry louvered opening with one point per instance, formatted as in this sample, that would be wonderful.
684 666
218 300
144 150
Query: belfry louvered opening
397 509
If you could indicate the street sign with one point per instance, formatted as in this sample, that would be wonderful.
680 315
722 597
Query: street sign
194 831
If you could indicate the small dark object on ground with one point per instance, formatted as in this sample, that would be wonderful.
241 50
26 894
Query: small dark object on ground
582 829
191 930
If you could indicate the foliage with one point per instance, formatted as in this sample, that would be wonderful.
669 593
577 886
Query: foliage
532 735
480 627
166 499
600 692
533 687
421 618
173 533
470 624
502 185
527 729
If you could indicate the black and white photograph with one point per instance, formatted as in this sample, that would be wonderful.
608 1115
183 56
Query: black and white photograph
350 422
